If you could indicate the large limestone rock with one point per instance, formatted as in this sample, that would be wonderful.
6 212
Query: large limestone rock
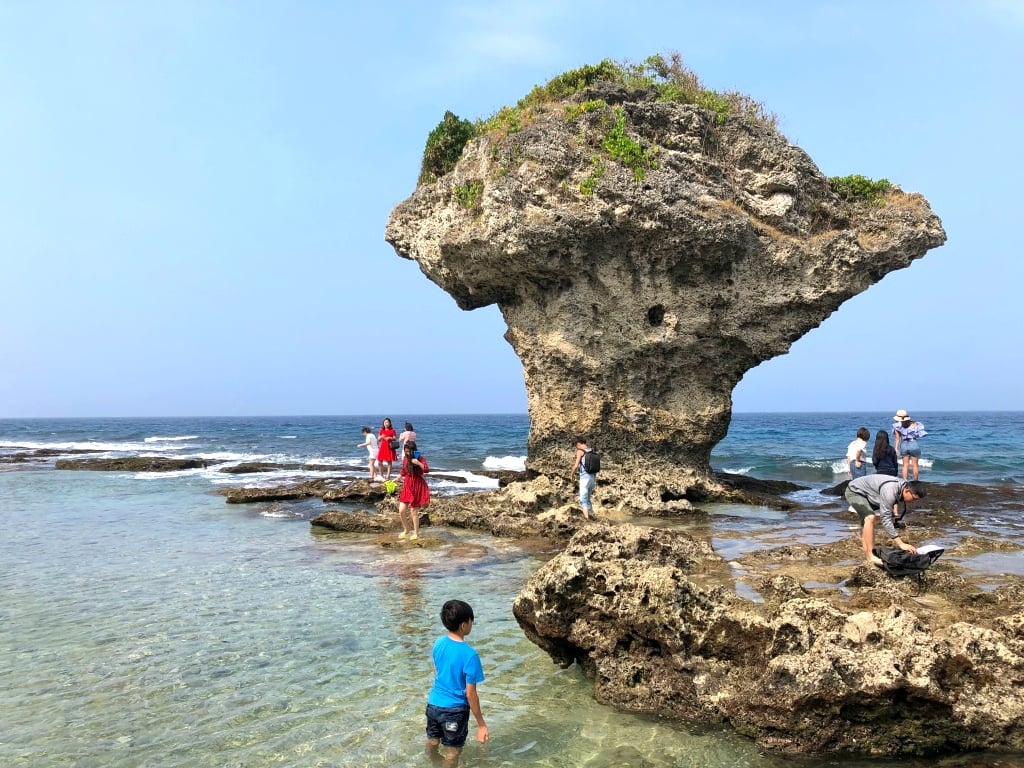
637 306
652 619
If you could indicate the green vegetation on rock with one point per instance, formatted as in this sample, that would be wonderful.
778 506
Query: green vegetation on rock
468 194
588 184
444 147
624 149
856 188
666 76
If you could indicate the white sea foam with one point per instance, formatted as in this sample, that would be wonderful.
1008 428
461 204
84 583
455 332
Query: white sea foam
288 437
839 467
233 456
511 463
473 482
738 471
280 514
176 473
158 439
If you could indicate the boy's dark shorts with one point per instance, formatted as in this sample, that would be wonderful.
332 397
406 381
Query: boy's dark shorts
449 724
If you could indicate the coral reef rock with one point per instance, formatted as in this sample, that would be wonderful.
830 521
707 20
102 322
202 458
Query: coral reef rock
638 297
651 616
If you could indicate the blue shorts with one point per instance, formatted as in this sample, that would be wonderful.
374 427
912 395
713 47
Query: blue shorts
910 448
450 725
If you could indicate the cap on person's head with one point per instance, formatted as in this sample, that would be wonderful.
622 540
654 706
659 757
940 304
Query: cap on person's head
901 415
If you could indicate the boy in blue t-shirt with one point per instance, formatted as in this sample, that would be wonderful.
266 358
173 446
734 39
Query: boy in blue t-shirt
457 671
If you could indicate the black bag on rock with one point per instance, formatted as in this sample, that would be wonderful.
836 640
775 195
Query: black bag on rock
898 562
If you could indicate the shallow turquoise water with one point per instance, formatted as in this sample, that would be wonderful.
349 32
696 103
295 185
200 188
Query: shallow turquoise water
144 622
148 624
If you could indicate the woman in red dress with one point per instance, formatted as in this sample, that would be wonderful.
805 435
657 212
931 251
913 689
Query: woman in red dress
415 492
385 453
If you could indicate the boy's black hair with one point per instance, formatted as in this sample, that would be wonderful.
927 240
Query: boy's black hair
367 430
454 613
916 487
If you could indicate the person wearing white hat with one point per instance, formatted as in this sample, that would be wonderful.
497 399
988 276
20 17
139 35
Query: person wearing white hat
907 432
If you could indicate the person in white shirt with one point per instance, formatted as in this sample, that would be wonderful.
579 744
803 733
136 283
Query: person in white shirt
370 444
856 464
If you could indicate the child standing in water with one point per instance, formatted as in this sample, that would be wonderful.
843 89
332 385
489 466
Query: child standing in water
457 672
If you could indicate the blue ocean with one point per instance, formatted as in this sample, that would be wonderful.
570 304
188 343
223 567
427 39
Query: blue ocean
145 622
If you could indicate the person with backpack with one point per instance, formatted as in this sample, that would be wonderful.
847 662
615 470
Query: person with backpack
883 497
588 464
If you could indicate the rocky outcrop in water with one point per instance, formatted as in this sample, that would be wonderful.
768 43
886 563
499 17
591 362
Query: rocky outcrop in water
637 296
135 464
649 617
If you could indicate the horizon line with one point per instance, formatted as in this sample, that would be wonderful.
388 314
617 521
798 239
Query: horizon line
473 413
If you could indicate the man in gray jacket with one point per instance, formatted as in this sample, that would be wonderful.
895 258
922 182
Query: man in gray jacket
884 497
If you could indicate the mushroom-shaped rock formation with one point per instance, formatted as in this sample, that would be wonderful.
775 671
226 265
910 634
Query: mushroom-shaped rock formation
645 253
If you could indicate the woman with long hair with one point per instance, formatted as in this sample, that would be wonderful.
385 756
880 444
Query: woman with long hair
884 455
415 493
385 453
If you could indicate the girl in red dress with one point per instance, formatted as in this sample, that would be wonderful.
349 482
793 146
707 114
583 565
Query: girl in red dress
385 453
415 492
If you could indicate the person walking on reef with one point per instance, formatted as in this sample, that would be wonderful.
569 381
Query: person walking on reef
908 432
370 444
883 497
587 480
856 464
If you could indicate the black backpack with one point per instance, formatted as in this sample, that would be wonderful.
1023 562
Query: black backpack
591 462
898 562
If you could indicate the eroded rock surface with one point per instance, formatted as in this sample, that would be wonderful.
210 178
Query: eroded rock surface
649 617
637 306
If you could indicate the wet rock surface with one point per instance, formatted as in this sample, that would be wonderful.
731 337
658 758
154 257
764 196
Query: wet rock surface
802 647
40 455
135 464
251 467
652 618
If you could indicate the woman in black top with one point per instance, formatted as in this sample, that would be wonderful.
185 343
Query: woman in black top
884 455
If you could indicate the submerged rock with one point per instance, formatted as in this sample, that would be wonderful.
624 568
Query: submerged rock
639 288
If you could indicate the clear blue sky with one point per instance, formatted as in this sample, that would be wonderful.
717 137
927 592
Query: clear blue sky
193 194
